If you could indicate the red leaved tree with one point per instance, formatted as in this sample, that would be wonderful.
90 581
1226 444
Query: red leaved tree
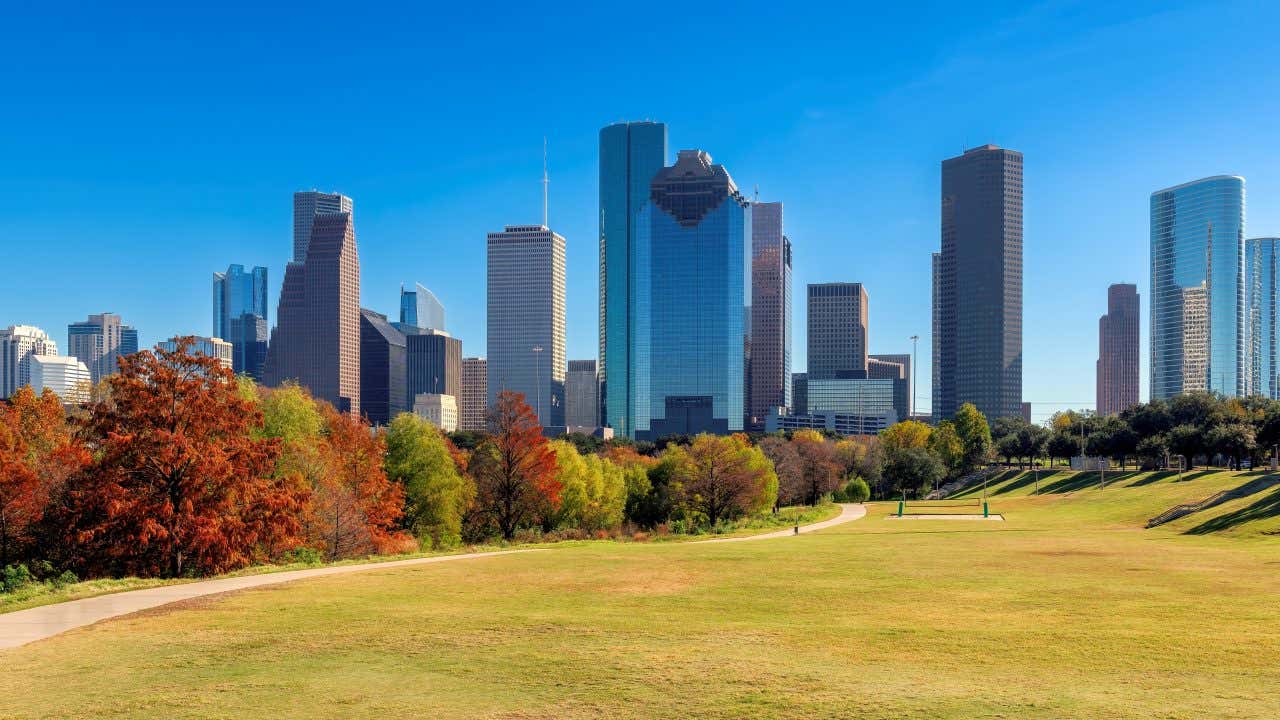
179 484
355 508
515 468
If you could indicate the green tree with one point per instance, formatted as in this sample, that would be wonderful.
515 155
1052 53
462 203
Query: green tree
290 414
946 444
975 435
1234 440
904 435
723 477
914 470
436 494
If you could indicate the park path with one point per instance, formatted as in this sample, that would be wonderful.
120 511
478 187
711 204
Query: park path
27 626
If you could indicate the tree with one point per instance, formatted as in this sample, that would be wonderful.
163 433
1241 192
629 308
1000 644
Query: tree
514 469
724 477
179 483
356 508
1186 440
1062 445
914 470
787 465
819 468
436 494
975 435
1233 440
904 435
946 444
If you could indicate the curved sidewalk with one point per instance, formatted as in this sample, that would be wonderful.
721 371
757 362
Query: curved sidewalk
27 626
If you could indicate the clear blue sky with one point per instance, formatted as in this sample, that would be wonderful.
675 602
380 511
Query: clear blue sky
141 149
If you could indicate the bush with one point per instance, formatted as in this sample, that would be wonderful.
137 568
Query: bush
15 577
854 491
303 556
66 578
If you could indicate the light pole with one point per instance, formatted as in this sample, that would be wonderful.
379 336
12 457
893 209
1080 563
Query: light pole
537 378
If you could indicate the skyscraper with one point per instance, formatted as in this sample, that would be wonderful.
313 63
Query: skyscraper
582 395
474 403
903 359
240 316
99 342
317 336
420 308
1261 276
630 155
434 362
526 328
384 390
838 330
770 369
213 347
18 343
1198 288
978 285
306 206
684 328
1118 351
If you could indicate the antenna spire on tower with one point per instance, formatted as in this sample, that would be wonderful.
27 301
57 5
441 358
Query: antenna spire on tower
545 181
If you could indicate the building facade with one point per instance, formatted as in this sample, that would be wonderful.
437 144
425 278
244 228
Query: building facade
838 330
769 369
526 320
18 344
441 410
384 389
99 342
67 376
630 155
1198 332
240 316
420 308
903 359
317 336
1118 345
474 401
978 285
1261 275
800 393
213 347
306 206
434 363
582 394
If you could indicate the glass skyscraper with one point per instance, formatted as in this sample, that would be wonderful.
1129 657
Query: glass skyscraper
1261 276
240 316
420 308
630 155
688 286
1198 288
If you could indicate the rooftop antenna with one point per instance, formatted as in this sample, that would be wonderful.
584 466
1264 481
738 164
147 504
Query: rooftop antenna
545 181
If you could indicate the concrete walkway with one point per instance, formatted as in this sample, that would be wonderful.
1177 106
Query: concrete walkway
26 626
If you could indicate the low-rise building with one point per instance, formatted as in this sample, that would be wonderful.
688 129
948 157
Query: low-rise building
64 375
441 410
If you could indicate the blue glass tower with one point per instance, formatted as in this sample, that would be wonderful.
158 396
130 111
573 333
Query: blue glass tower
630 155
1262 272
688 298
1198 335
419 308
240 316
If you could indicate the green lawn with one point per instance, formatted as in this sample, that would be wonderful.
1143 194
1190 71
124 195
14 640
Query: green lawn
1069 609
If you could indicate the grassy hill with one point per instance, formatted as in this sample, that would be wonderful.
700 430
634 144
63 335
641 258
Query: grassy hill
1068 609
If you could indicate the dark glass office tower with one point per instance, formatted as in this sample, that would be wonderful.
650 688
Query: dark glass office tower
240 316
383 366
1118 351
838 331
978 285
435 363
689 288
630 155
769 372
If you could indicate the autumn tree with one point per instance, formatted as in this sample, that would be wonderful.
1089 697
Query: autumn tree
437 495
179 484
787 465
820 469
724 477
905 435
37 453
514 469
355 508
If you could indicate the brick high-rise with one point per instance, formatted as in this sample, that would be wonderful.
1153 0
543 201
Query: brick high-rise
769 370
1118 350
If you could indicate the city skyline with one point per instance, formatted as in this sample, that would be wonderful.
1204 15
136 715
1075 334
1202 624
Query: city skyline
422 210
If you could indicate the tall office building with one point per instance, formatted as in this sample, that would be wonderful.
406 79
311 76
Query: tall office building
838 330
317 336
213 347
1118 351
582 395
474 403
99 342
67 376
1198 334
630 155
420 308
799 393
1261 276
306 206
684 325
768 382
978 285
18 343
526 329
240 316
434 362
384 389
903 359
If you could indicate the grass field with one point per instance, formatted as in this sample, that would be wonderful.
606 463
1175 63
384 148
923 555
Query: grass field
1069 609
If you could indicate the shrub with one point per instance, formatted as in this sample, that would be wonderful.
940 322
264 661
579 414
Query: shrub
303 556
15 577
854 491
66 578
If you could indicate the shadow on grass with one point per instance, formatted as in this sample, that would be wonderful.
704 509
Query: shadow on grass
1084 480
1154 477
1267 507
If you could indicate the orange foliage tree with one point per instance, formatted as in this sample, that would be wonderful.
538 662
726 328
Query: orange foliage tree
355 508
515 468
179 484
